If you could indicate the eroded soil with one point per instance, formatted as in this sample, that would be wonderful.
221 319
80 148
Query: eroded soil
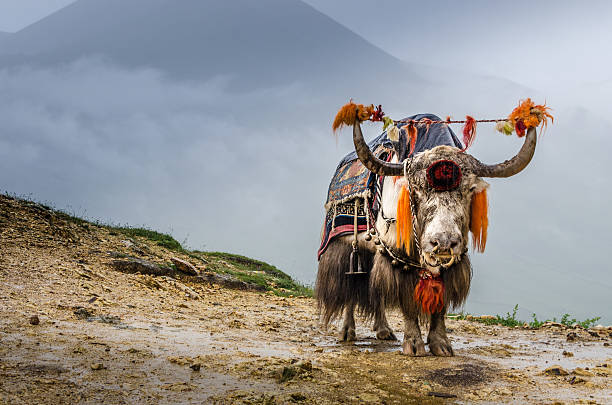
107 337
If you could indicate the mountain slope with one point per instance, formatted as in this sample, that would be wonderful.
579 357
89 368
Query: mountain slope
273 41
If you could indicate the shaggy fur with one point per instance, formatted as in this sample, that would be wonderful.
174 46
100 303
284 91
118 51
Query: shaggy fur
334 289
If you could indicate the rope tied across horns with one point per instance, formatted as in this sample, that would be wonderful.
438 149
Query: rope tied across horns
523 120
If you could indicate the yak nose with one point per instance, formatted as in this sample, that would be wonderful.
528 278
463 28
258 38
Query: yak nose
445 242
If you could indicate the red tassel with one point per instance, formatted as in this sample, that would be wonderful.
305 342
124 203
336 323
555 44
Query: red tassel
427 122
429 292
469 132
378 114
520 127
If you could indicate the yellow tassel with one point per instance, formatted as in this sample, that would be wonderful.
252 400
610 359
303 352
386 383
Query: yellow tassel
403 226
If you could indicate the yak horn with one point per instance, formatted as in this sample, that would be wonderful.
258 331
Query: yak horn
512 166
374 164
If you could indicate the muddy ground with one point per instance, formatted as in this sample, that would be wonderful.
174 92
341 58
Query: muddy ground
75 330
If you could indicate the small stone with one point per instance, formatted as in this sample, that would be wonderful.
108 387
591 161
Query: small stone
34 320
298 396
97 366
582 372
572 336
576 380
195 366
555 371
184 266
568 354
370 398
304 365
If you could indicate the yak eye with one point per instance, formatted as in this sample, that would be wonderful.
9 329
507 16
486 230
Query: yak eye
444 175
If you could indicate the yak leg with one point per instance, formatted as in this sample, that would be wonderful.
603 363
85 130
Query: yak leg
381 326
413 342
438 342
348 328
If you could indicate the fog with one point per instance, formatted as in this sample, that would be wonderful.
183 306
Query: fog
246 170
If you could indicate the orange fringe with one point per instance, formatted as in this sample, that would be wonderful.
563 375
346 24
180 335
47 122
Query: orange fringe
529 115
411 133
429 292
347 114
479 220
403 226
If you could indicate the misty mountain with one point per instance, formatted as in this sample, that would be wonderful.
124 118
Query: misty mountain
266 42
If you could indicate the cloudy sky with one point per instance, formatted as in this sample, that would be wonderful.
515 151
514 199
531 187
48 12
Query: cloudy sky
217 130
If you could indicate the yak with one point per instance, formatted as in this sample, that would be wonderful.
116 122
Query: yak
367 269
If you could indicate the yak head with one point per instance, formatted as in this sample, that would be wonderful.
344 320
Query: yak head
439 197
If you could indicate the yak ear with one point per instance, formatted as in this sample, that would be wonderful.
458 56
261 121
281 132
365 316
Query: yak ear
479 216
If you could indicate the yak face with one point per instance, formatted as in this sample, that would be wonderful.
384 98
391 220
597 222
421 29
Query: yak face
442 191
442 202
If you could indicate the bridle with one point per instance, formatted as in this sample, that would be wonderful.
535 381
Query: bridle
444 260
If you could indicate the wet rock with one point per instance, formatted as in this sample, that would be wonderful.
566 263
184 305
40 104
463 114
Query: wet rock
133 265
571 337
34 320
83 313
228 281
184 266
555 371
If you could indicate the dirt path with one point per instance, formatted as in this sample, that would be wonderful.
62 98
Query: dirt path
109 337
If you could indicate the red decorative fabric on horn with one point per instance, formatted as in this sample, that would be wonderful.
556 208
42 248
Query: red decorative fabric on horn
444 175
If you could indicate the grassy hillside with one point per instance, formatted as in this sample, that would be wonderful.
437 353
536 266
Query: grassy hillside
142 243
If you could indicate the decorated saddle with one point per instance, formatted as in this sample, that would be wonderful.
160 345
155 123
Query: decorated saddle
354 191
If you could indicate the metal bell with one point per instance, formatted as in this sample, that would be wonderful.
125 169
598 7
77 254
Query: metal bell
381 250
368 237
377 241
406 267
394 262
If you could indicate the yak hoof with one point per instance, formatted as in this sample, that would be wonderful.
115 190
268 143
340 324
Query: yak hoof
440 347
348 334
385 334
414 347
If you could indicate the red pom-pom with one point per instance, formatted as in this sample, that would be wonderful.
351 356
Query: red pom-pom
429 292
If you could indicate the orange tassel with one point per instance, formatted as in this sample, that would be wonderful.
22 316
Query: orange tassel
349 112
429 292
403 225
411 133
529 115
469 132
479 220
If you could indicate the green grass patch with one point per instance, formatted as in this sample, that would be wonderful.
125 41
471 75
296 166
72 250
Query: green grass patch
511 321
161 239
255 272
